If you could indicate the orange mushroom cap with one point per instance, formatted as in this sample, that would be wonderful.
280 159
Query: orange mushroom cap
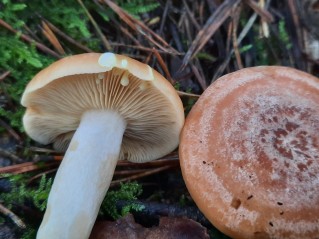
249 153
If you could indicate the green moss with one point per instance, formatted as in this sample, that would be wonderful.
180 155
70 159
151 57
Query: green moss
21 193
136 7
24 60
127 191
283 34
29 234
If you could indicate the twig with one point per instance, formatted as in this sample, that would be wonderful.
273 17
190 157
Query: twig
44 162
4 75
67 38
30 40
234 37
168 4
211 26
267 16
128 172
5 211
198 76
41 174
229 33
176 39
47 32
191 16
152 164
140 175
168 160
27 167
41 150
8 154
127 33
96 27
181 93
11 131
264 24
241 36
140 27
300 43
142 48
163 65
148 58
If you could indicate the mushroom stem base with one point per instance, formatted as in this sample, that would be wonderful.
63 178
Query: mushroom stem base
83 177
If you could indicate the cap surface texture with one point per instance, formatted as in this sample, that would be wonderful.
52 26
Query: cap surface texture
249 153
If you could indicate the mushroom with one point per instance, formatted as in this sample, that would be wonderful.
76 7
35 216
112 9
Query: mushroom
112 107
249 153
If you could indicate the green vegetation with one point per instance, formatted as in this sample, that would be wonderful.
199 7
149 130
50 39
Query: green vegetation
128 192
272 50
23 60
283 34
29 234
21 193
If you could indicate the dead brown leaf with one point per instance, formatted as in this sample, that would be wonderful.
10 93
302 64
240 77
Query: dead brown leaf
168 228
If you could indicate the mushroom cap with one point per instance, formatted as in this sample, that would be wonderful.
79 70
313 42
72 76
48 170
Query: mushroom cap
58 96
249 153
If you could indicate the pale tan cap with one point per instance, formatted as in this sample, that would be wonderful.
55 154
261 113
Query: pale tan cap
57 97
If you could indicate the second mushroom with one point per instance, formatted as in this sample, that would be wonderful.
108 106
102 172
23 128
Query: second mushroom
101 108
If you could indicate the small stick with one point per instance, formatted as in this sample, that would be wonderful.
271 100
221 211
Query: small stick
26 167
96 26
67 38
181 93
41 150
140 175
4 75
234 36
264 24
212 24
191 16
241 36
198 76
164 16
128 172
140 27
148 58
41 174
5 211
127 33
155 163
54 161
163 65
142 48
47 32
260 11
11 131
8 154
26 38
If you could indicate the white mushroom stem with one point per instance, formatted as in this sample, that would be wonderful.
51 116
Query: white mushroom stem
84 177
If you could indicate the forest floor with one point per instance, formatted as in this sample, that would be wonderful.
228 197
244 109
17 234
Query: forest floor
191 43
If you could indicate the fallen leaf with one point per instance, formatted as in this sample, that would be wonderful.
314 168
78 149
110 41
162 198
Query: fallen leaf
168 228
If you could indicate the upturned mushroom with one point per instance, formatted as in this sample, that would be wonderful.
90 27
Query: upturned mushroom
110 107
249 153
